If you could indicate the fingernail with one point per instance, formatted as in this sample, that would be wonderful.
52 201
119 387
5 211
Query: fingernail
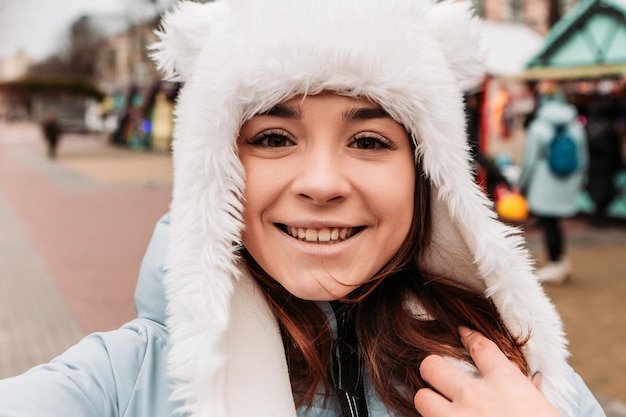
465 331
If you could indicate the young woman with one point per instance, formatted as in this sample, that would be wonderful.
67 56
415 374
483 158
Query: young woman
327 252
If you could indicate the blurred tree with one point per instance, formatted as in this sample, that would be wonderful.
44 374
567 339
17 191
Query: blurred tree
53 66
81 52
76 61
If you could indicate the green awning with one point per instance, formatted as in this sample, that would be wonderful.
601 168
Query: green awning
588 41
67 86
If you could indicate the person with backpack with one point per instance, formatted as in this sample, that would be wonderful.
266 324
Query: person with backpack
553 173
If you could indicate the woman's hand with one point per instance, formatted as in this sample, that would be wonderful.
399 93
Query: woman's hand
502 389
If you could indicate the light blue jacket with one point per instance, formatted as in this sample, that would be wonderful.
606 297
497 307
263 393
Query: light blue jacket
123 372
547 194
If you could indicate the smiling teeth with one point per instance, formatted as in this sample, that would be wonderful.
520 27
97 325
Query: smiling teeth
320 235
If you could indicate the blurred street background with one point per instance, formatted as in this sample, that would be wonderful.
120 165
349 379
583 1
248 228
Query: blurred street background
78 203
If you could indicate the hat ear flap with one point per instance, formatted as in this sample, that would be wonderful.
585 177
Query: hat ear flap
183 32
462 45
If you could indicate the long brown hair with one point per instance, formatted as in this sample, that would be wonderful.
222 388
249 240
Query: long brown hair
393 337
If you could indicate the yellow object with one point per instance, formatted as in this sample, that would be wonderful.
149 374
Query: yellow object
512 207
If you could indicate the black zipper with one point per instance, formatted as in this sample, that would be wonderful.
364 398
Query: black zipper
347 364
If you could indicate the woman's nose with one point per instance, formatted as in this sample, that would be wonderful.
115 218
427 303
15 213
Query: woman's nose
322 178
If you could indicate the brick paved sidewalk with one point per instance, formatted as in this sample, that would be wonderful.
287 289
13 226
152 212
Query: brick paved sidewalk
72 234
36 321
592 307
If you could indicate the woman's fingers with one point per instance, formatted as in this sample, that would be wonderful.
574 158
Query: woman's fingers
432 404
436 371
501 390
486 354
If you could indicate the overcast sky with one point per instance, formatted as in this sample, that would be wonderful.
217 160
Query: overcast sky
39 27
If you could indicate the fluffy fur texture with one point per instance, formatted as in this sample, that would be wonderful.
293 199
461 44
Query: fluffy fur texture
240 57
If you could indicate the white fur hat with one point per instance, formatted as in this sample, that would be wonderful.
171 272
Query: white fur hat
240 57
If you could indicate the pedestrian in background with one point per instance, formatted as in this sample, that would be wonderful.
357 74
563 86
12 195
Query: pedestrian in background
552 195
327 250
605 158
52 134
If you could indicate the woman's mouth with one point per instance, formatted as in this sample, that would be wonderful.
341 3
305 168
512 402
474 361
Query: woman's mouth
323 235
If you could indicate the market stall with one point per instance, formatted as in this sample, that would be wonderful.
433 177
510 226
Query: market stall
586 53
504 97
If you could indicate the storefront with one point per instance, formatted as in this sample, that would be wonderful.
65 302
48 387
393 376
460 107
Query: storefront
586 53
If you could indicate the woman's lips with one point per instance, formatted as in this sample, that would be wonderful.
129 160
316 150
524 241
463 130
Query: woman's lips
323 235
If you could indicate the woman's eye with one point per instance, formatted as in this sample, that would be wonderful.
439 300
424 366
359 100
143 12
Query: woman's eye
272 140
370 142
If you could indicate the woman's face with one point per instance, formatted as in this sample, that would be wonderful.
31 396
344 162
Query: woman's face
329 192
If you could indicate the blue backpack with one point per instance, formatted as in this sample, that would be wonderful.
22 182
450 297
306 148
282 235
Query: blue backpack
562 152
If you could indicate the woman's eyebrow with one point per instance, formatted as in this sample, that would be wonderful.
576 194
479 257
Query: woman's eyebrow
365 113
285 112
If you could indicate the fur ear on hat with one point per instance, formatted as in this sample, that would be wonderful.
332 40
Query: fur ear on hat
466 63
183 33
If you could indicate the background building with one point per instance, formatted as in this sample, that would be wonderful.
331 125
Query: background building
15 66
